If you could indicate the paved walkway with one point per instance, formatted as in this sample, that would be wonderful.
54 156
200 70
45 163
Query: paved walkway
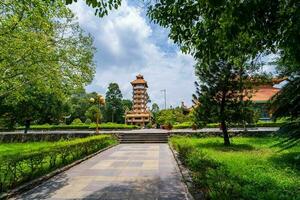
126 171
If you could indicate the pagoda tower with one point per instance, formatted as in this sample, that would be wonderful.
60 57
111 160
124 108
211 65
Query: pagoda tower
139 115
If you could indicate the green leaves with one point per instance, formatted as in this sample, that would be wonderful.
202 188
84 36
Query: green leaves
43 51
102 7
114 109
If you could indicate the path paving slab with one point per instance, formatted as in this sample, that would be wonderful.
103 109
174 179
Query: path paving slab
126 171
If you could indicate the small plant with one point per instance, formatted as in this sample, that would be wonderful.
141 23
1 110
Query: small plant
88 121
76 121
149 125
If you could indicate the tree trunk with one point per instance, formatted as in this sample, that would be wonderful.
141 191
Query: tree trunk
223 121
27 126
225 133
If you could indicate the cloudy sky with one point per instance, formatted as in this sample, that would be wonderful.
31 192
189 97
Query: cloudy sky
128 44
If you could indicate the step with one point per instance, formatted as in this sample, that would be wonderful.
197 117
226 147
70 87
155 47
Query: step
153 139
143 137
124 142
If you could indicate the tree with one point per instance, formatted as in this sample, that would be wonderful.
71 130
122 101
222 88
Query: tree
92 113
219 98
154 112
126 104
171 116
202 29
80 103
41 47
101 7
38 106
114 109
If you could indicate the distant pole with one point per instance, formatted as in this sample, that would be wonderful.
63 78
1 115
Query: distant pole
165 97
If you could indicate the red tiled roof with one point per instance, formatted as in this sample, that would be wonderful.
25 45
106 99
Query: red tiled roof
264 93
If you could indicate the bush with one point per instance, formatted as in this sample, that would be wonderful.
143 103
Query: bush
149 125
186 125
76 121
113 126
183 125
18 168
91 126
88 121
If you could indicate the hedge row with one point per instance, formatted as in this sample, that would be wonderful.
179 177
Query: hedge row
216 125
80 126
18 168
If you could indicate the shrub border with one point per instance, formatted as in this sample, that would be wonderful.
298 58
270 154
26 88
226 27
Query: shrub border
186 175
31 184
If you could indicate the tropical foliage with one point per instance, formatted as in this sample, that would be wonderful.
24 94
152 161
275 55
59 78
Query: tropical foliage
44 57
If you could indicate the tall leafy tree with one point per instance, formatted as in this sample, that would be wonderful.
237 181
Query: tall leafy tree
42 49
79 104
154 112
224 66
253 28
114 108
127 104
220 99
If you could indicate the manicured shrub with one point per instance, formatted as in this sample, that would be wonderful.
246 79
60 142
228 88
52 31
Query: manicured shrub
88 121
17 168
76 121
91 126
183 125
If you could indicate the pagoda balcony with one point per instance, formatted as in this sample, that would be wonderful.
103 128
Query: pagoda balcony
137 120
139 96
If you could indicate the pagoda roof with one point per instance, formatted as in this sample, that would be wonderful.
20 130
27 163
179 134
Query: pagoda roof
139 80
264 93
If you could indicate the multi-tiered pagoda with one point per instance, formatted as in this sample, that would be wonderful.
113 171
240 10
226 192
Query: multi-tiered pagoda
139 115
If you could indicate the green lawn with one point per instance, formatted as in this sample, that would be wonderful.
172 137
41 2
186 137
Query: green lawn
22 162
252 168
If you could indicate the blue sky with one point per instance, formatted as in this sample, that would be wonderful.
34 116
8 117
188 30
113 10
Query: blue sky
128 44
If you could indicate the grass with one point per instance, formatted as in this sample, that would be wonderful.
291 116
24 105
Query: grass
251 168
11 149
22 162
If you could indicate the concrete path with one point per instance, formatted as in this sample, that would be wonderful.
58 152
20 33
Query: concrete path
126 171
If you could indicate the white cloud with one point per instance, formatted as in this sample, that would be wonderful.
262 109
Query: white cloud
127 45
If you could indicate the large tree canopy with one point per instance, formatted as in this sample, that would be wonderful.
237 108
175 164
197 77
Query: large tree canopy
224 64
114 110
240 28
42 50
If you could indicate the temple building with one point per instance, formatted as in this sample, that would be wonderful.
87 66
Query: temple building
263 95
139 115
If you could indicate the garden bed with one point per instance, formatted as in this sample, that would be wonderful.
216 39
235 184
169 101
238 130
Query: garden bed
251 168
189 125
103 126
23 162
